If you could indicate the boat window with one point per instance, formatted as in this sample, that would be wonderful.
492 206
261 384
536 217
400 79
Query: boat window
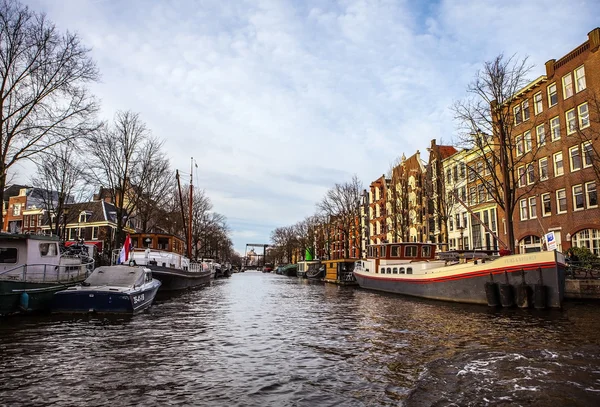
383 270
48 249
395 252
409 270
395 270
382 251
401 270
410 251
148 277
389 270
426 251
8 255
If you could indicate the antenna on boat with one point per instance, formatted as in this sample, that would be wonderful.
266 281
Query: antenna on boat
189 236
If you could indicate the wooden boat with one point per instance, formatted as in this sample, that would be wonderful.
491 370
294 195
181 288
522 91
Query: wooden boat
412 269
339 271
110 289
173 270
308 265
32 269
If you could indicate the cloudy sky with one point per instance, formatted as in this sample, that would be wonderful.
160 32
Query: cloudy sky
278 100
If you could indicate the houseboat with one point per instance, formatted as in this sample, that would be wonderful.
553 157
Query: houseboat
32 269
305 266
339 271
115 289
413 269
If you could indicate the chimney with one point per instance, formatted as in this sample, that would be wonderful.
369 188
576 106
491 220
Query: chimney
550 68
594 38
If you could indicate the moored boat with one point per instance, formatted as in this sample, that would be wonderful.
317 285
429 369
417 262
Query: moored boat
412 269
290 270
339 271
32 269
316 272
305 266
115 289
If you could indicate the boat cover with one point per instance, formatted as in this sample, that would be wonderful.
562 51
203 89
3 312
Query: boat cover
117 276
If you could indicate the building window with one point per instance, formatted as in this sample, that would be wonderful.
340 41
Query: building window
523 205
517 113
522 179
449 175
546 205
32 221
95 233
591 194
578 203
473 195
16 209
39 219
83 217
541 135
589 238
530 174
575 158
463 167
567 82
580 79
532 208
584 116
552 95
538 107
527 139
525 108
519 144
555 128
481 193
561 201
558 164
450 223
571 121
543 166
587 153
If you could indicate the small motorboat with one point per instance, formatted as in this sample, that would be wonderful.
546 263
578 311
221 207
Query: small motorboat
110 289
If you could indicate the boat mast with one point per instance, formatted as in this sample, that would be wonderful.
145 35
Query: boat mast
189 237
181 203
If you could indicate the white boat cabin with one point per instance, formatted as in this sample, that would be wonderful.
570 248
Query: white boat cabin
399 258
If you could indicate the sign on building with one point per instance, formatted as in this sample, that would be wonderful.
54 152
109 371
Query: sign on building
550 241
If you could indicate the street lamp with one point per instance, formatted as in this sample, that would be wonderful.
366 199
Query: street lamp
461 246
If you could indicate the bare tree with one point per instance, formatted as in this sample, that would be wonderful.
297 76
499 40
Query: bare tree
43 78
305 232
487 121
157 193
342 205
122 163
60 178
283 241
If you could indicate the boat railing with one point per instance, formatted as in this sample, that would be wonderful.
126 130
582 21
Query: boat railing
41 273
583 270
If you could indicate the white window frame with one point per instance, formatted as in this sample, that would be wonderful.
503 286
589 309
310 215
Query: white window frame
524 210
558 211
554 162
571 121
579 79
517 114
527 142
532 208
538 105
583 115
544 213
519 145
540 135
522 174
543 163
587 152
574 196
587 194
567 85
555 124
550 93
525 110
530 173
571 164
95 231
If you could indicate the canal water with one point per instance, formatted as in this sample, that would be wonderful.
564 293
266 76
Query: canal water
268 340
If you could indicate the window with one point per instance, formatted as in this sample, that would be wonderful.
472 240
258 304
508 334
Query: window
589 238
16 209
541 135
32 221
538 107
450 223
567 82
481 193
530 174
95 233
519 144
584 116
457 219
523 206
426 251
83 217
546 205
465 219
48 249
462 170
527 138
395 270
525 108
389 270
472 195
575 158
552 96
558 164
39 218
543 166
401 270
532 208
561 201
449 175
410 251
571 121
579 79
8 255
587 153
555 128
578 203
591 194
522 178
517 113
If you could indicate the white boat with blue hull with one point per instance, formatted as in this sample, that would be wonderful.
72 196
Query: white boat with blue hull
110 289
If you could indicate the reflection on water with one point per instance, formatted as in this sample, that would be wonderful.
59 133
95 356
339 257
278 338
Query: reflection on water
263 339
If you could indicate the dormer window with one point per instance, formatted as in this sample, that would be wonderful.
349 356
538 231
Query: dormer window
84 216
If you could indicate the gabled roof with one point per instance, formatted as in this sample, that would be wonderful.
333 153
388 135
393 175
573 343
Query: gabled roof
446 151
100 211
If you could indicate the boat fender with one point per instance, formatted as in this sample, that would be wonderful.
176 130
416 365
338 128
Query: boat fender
506 295
539 296
491 294
24 301
523 295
